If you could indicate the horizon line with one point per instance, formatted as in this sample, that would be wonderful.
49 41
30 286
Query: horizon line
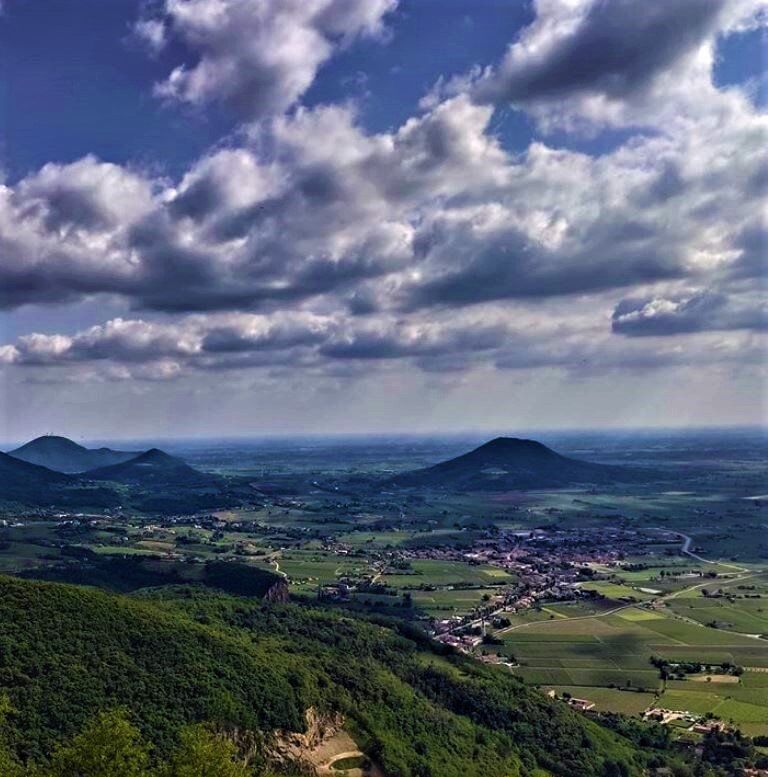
495 432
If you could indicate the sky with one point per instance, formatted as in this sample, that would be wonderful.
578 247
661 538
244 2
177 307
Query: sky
243 217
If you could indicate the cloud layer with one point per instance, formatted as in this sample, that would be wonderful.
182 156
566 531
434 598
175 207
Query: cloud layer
308 241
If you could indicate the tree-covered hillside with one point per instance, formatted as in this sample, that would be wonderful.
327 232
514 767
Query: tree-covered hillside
180 656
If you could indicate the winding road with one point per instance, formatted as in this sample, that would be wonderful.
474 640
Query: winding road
686 549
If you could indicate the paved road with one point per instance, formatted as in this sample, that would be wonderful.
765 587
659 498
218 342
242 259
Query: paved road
685 549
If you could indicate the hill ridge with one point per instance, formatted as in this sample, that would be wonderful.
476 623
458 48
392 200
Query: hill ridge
152 467
62 454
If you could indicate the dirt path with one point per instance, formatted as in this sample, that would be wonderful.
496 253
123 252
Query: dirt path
339 746
327 768
273 559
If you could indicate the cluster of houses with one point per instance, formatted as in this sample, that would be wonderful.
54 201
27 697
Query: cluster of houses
582 705
698 724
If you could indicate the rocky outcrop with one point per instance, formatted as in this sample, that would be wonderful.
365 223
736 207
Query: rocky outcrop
278 593
311 752
290 747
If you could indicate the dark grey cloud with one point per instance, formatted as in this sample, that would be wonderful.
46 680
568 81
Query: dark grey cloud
699 312
407 341
666 184
362 302
752 262
240 341
511 266
64 208
275 336
618 48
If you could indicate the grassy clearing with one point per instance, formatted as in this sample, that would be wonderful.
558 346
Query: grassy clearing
717 679
353 762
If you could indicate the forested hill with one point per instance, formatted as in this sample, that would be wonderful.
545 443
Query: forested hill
184 655
63 455
509 463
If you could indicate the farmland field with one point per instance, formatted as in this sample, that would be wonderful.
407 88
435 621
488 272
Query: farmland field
441 573
607 659
444 603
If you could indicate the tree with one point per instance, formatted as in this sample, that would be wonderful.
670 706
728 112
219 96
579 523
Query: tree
201 753
615 769
9 766
108 745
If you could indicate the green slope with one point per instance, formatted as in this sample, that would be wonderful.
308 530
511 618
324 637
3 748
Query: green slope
184 655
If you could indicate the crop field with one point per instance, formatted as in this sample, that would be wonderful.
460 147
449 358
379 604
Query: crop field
744 615
426 572
119 550
578 608
628 702
616 591
634 614
380 539
607 659
747 707
444 603
737 605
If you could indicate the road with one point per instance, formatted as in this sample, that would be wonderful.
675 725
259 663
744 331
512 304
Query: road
685 549
273 560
